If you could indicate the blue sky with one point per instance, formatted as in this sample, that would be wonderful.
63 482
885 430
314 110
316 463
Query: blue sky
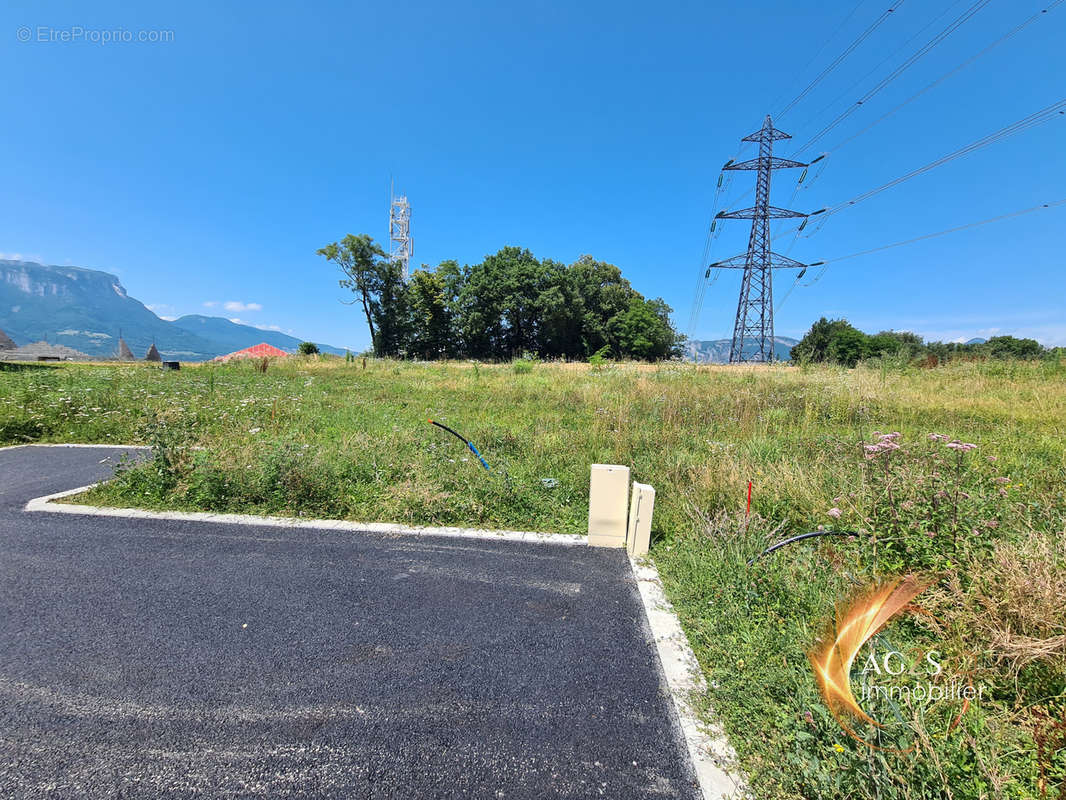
208 168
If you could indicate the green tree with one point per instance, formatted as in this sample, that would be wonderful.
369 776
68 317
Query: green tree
307 349
849 346
378 286
1010 347
836 341
605 296
561 309
894 343
644 331
392 312
357 257
431 316
499 305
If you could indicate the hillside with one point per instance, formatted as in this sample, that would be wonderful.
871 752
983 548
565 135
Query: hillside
716 351
87 309
233 336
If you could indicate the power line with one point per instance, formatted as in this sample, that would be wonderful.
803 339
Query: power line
949 73
956 229
833 35
1037 118
824 44
702 276
836 61
877 68
909 62
825 264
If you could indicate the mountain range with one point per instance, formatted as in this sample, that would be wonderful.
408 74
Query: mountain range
716 351
88 310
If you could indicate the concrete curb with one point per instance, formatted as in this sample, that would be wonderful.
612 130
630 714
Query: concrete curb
46 504
713 758
96 446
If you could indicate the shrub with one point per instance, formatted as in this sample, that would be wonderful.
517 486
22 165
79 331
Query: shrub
599 358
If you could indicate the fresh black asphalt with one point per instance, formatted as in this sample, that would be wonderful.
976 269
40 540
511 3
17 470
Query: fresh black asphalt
157 658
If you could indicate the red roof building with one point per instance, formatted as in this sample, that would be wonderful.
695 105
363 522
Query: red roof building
261 350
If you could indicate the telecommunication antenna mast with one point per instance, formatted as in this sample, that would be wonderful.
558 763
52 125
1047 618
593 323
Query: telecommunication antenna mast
753 332
401 245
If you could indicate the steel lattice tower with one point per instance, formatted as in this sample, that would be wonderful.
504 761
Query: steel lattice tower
753 332
401 245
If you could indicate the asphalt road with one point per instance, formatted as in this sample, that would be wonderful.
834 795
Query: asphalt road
154 658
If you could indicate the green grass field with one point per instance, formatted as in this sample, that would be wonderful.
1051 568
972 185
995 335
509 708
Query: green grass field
321 438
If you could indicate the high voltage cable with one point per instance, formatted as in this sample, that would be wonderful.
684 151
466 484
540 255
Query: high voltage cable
701 277
833 35
825 44
932 43
946 75
836 61
1037 118
877 68
956 229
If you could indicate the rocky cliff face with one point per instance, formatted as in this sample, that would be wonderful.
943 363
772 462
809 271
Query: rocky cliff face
86 309
34 279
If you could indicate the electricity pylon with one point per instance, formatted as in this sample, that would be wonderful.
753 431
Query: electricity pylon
753 333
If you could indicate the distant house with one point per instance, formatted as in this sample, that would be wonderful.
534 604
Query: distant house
261 350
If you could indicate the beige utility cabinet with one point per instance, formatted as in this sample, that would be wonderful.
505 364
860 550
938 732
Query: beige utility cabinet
608 505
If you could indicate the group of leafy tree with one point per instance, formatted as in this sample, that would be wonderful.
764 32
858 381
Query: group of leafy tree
837 341
509 305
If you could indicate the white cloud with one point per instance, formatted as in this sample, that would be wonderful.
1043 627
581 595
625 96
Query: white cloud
278 328
163 311
237 305
34 257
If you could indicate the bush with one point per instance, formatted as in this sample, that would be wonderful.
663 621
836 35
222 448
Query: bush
599 358
307 349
